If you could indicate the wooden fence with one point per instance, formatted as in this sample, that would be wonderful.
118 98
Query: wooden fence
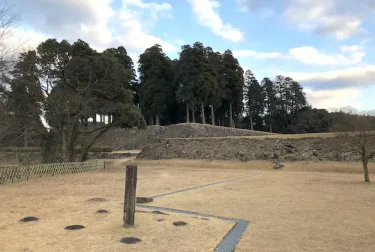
16 173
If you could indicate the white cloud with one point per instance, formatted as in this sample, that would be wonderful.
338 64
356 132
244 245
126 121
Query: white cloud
208 16
180 41
94 22
312 56
257 55
334 98
326 17
359 76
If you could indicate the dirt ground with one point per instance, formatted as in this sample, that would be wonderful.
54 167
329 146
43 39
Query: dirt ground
304 207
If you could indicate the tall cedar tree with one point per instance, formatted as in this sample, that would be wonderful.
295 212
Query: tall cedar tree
157 83
216 59
254 100
234 85
205 79
184 82
196 78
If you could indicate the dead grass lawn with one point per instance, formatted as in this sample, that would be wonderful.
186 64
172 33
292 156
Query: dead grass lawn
299 208
62 201
291 209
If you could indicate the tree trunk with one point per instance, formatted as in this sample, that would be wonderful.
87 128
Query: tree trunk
158 120
212 115
187 112
193 113
151 121
365 170
64 146
203 117
220 121
251 123
230 115
94 119
25 138
100 119
85 151
270 128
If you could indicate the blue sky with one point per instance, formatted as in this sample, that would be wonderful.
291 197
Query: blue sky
326 45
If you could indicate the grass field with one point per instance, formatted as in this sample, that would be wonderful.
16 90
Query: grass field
271 136
304 207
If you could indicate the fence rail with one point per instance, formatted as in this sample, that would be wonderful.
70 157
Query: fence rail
13 173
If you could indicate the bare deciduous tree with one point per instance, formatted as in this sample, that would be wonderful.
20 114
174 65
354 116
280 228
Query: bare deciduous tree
8 21
362 142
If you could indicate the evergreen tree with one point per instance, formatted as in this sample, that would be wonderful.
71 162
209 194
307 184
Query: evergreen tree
157 83
270 101
254 100
234 84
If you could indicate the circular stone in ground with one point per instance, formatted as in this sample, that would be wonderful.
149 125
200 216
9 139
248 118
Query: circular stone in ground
179 223
29 218
102 211
130 240
74 227
97 200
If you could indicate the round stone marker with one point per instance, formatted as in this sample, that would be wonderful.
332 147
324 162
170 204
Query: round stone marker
102 211
130 240
29 219
74 227
179 223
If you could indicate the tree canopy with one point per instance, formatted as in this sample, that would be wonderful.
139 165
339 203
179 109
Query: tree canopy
54 95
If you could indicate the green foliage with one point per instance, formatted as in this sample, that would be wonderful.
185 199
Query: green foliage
254 99
156 82
309 120
234 81
69 84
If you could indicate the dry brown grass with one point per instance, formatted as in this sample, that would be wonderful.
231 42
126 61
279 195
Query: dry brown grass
292 210
239 166
62 201
297 208
272 136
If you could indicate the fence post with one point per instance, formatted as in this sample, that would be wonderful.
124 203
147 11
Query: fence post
130 195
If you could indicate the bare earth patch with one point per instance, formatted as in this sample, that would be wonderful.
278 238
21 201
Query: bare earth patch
305 206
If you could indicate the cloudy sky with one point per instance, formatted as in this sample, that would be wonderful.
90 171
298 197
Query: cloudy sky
326 45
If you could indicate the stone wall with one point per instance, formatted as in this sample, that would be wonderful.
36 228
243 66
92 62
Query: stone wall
293 149
122 139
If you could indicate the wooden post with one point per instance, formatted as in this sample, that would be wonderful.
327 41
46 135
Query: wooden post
130 195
